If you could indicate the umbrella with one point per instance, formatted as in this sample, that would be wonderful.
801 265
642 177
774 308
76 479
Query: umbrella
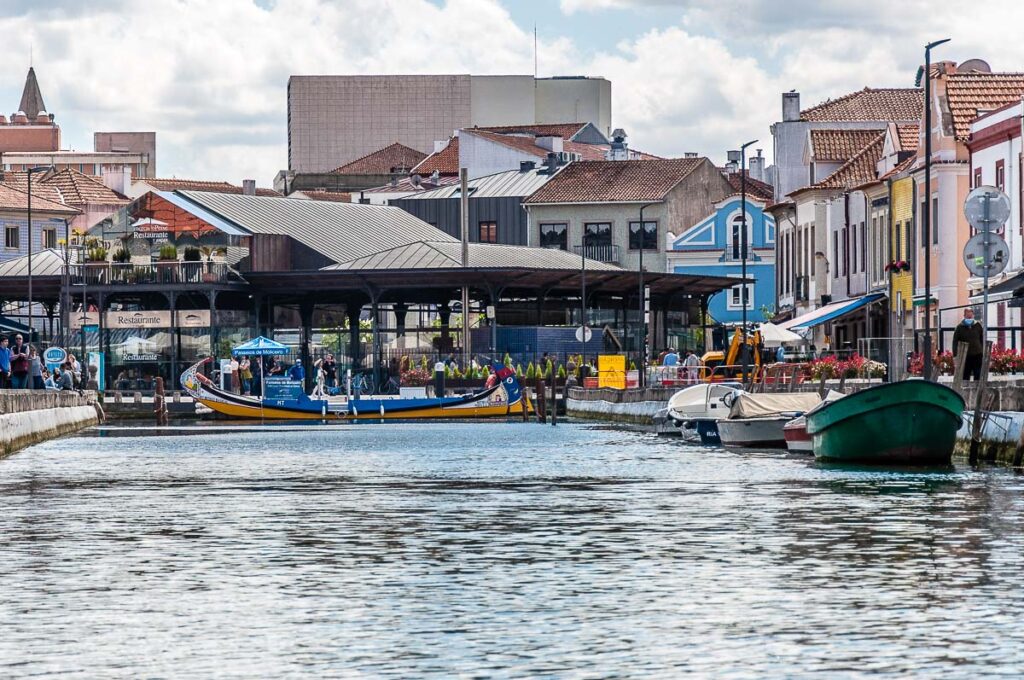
773 336
261 347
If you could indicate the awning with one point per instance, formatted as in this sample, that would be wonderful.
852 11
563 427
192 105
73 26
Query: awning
830 312
1008 285
7 324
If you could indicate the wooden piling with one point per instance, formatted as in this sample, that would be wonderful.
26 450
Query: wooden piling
979 404
793 378
160 403
539 390
958 367
554 395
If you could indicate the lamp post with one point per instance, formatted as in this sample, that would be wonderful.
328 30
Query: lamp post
642 366
29 173
744 349
928 205
583 299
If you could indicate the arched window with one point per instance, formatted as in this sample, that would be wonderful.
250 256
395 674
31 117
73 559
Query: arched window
735 240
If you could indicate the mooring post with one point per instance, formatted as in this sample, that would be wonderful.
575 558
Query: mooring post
159 403
978 404
554 395
959 357
538 388
794 378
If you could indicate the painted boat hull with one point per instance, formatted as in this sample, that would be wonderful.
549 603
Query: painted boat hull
913 422
797 439
490 403
753 432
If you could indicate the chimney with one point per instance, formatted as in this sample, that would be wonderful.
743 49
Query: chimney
118 179
619 149
689 154
790 106
526 166
248 187
552 144
756 165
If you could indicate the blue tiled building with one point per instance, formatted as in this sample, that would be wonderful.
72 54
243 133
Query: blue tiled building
712 247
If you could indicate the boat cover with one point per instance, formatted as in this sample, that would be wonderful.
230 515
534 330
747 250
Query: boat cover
749 405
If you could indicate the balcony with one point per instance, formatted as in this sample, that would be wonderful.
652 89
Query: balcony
123 274
601 253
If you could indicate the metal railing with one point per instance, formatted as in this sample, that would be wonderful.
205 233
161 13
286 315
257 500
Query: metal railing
116 273
601 253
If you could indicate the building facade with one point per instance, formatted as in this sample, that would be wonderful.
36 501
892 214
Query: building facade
713 247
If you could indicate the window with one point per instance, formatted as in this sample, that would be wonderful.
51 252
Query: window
598 234
554 236
908 245
1000 175
835 258
924 226
735 239
897 251
49 237
736 294
853 249
810 250
12 238
935 219
864 247
488 232
977 177
649 239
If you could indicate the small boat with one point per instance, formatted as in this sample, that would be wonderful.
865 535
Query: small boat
913 422
797 439
284 399
759 419
700 407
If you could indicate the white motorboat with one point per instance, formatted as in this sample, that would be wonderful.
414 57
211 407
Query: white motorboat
760 419
700 407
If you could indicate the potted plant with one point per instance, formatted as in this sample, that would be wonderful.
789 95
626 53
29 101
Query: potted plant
167 262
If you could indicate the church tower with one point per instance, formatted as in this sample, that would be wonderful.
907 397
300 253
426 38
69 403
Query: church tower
31 97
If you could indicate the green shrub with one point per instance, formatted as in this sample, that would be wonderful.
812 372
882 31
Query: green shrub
168 252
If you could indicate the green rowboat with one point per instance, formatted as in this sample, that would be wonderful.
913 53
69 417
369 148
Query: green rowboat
913 422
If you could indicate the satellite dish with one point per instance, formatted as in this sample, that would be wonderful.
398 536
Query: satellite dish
998 254
974 66
987 208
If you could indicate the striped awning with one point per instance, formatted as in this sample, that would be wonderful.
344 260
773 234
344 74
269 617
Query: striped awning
830 312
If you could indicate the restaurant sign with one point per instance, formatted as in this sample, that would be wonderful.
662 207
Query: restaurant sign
159 319
87 319
193 318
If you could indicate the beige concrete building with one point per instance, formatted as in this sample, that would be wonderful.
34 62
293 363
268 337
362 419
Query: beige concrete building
333 120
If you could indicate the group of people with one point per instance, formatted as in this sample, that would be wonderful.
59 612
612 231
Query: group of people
244 375
22 368
686 366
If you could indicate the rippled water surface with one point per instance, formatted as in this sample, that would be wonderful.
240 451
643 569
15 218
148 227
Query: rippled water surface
496 550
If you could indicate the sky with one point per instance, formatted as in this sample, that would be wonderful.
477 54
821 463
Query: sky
210 76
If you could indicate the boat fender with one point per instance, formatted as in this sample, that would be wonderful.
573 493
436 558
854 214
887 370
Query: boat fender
382 410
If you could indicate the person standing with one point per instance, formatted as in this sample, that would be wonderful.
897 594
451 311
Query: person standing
35 369
780 355
692 364
297 372
245 375
330 371
970 332
233 382
20 364
5 363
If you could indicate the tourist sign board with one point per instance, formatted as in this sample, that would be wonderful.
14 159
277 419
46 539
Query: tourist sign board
986 209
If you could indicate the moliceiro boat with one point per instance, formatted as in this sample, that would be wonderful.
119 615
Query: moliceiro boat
285 400
759 419
913 422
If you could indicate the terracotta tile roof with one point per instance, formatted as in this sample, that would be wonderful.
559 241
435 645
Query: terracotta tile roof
615 181
755 188
900 167
12 199
392 158
908 136
80 189
839 145
335 196
525 144
860 169
564 130
970 94
18 179
445 161
882 104
175 184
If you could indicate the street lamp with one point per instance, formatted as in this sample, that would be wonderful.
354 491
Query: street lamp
583 298
30 172
744 350
928 206
642 367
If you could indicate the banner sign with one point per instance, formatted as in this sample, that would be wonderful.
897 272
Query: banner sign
282 389
193 318
611 371
232 317
117 320
54 355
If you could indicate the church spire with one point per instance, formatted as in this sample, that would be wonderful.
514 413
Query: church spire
31 97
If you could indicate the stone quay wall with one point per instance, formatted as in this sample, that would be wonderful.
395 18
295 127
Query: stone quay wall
29 417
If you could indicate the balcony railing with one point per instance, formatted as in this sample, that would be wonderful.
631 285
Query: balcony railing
115 273
601 253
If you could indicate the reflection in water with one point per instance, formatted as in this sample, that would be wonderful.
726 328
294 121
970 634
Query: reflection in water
496 549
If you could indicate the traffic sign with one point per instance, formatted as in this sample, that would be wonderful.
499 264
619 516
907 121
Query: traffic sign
986 262
583 333
987 209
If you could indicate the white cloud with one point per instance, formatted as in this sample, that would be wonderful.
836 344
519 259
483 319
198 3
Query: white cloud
573 6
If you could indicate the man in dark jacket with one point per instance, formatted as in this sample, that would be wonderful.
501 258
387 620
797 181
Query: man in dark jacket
972 334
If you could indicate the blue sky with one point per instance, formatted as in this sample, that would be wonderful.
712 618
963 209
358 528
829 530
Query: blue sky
687 75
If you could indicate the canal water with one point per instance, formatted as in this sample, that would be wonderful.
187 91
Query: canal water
496 550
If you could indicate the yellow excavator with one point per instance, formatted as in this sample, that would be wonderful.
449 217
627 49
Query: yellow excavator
714 359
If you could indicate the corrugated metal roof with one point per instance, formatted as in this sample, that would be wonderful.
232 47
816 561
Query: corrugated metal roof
203 214
340 231
49 262
511 183
448 255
